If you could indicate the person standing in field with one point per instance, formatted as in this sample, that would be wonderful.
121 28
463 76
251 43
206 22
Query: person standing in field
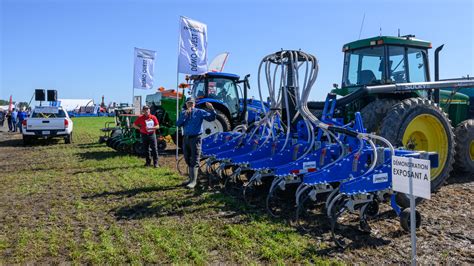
191 121
2 117
14 120
9 121
21 117
148 124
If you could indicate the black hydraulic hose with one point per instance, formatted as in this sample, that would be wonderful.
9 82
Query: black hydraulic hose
343 131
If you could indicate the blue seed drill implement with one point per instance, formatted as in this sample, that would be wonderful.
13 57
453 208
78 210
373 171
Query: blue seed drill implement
296 160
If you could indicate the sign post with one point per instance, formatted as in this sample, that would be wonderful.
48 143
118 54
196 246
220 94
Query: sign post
192 56
137 104
412 176
412 220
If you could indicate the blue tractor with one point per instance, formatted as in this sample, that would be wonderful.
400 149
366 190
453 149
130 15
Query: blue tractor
228 94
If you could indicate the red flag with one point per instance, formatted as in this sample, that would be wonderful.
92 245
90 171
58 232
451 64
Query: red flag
10 106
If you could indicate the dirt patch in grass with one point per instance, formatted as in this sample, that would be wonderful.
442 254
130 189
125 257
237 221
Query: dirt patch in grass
87 203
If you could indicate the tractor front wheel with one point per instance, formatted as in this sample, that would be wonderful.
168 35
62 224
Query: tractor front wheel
220 124
465 146
419 124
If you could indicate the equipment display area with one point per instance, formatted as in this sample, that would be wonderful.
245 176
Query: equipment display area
237 133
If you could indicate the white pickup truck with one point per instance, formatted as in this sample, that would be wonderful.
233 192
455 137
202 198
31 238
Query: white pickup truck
47 122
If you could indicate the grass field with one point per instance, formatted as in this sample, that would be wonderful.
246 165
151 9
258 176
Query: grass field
87 203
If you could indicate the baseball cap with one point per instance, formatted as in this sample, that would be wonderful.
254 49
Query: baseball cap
190 100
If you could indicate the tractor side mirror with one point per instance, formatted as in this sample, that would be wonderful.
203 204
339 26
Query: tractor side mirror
335 86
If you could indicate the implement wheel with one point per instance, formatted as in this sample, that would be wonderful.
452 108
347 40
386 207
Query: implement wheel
465 146
419 124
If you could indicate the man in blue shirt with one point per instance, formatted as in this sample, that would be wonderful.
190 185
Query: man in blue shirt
21 117
191 121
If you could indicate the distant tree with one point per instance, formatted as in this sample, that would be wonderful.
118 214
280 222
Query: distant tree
4 102
20 105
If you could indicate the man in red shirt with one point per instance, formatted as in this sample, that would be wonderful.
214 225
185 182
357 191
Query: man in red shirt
148 124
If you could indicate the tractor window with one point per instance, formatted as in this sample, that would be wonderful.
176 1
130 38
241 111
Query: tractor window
364 67
199 89
397 64
416 65
225 91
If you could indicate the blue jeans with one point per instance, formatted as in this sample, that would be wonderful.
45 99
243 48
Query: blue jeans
19 126
14 125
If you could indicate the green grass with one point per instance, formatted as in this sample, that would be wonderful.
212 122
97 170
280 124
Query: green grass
87 203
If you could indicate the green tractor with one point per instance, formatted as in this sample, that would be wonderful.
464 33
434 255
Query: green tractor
163 105
387 79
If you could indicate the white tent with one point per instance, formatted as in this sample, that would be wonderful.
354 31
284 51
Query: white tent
74 104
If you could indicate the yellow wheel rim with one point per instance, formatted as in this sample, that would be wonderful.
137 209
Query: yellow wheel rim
426 133
471 150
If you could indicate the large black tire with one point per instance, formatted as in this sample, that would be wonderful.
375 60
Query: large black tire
110 141
220 124
427 114
374 112
68 139
465 146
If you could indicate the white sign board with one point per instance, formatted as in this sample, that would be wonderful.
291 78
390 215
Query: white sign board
143 68
46 109
308 165
404 168
137 104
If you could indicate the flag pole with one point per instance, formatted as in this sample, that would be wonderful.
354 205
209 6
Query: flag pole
177 96
133 79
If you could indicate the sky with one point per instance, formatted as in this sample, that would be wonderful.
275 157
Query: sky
84 48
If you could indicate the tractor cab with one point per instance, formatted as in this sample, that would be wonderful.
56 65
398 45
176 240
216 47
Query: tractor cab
228 94
384 60
218 88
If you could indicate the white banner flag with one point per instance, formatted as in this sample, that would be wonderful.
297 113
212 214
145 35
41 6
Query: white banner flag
218 63
143 69
192 47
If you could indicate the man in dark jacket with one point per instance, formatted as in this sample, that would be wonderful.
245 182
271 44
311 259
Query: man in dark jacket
9 121
191 121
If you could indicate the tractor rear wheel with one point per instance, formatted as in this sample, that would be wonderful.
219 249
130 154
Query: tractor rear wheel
465 146
374 112
419 124
220 124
